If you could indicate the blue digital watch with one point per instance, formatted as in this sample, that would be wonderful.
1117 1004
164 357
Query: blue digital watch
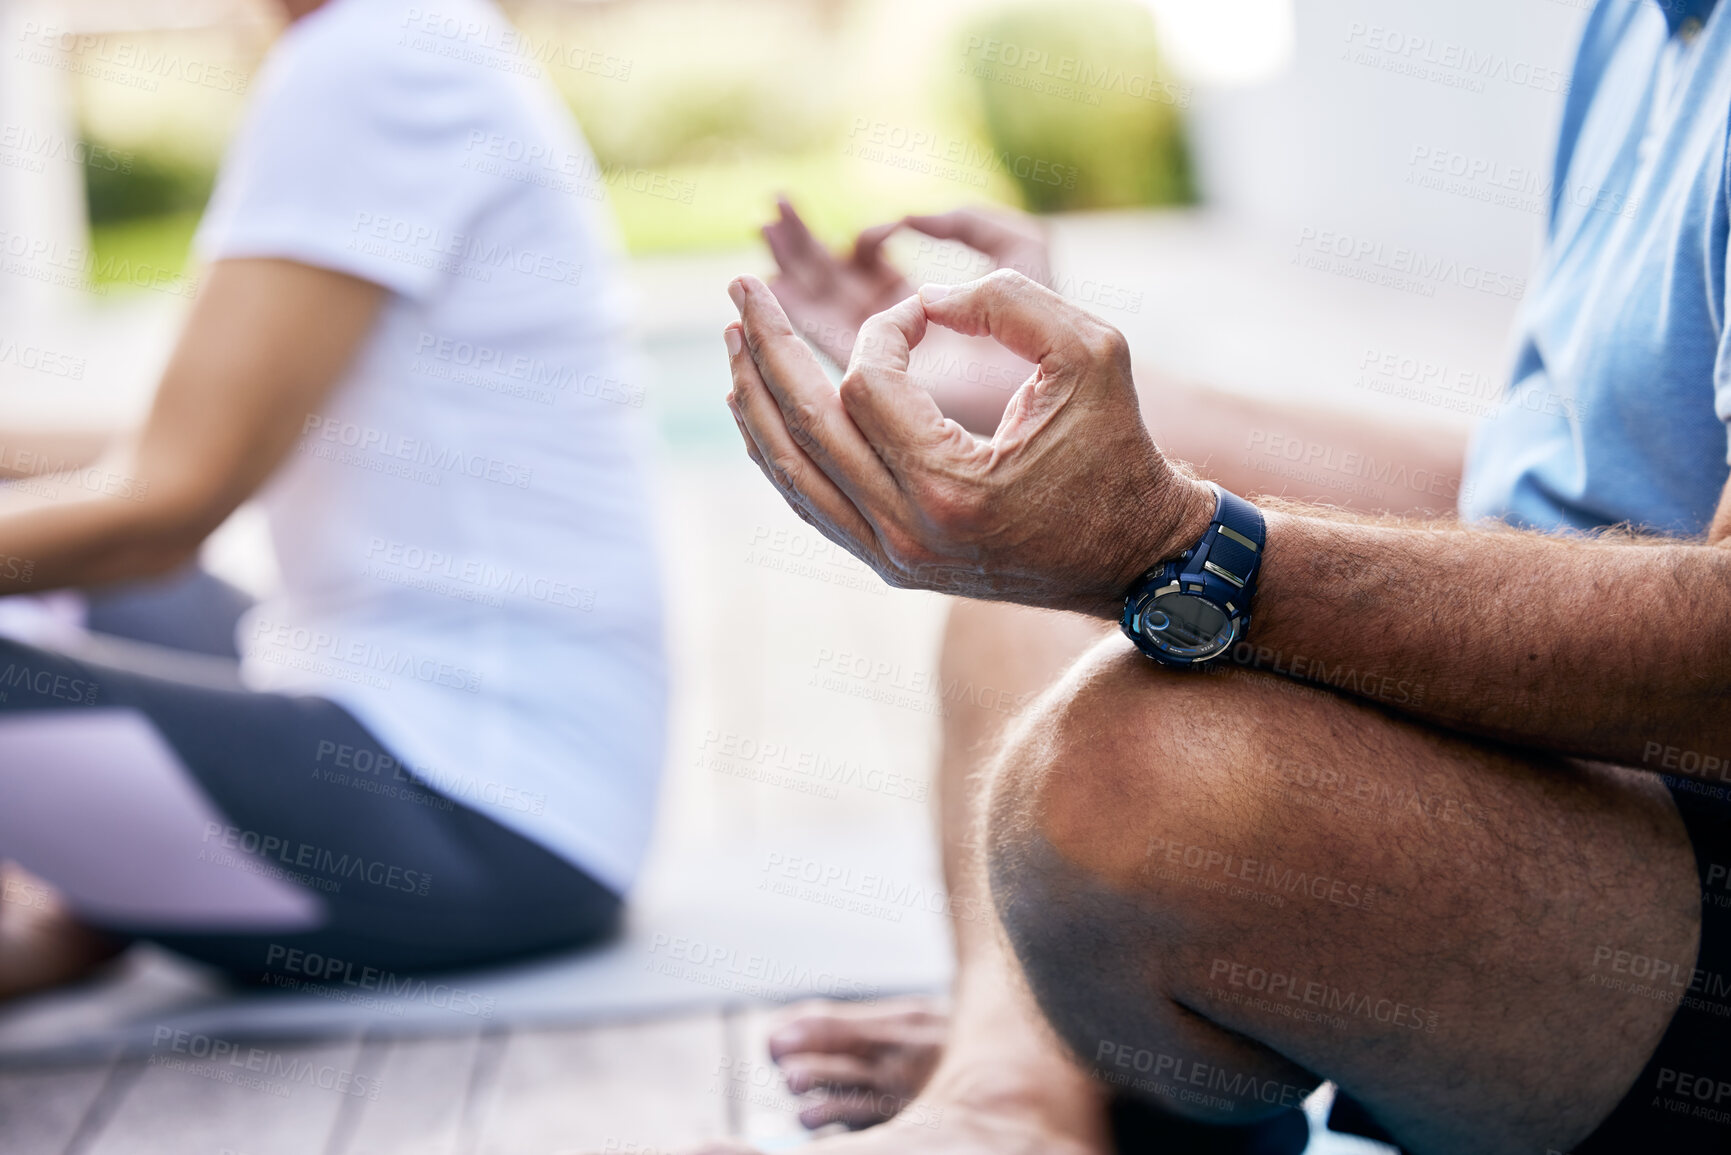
1191 610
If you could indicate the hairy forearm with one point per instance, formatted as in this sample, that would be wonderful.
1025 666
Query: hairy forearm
1610 648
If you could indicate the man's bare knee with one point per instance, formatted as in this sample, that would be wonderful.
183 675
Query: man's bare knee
1116 750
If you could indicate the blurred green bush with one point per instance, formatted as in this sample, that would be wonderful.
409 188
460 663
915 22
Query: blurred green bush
1077 105
143 183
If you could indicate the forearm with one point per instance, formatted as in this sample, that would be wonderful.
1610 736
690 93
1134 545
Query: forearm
1604 648
1261 448
91 540
32 452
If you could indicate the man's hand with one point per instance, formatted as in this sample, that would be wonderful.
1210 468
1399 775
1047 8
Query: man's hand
1064 507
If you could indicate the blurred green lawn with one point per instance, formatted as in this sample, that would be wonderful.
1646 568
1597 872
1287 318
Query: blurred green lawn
839 194
832 105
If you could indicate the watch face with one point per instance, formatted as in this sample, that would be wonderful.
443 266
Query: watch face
1186 626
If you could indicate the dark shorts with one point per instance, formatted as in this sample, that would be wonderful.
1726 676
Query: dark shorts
453 888
1681 1103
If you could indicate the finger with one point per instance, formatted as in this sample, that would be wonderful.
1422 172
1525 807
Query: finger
900 419
812 1072
1025 317
868 246
812 414
801 483
969 226
751 449
796 251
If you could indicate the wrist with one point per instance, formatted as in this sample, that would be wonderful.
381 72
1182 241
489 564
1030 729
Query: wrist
1191 514
1165 527
1191 609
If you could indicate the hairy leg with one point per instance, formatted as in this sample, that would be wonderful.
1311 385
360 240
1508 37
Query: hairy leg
1222 888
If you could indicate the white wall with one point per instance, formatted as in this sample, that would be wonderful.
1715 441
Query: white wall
1331 142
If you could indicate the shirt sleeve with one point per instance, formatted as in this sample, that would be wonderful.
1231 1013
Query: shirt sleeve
353 158
1722 357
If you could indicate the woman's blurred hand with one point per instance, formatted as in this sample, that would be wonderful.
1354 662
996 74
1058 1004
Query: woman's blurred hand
828 298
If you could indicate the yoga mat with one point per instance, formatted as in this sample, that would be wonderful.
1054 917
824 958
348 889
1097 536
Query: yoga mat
720 929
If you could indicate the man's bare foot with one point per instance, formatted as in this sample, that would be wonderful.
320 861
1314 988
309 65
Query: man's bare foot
855 1064
931 1126
41 945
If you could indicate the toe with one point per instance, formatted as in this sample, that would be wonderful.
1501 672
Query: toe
808 1071
816 1032
855 1108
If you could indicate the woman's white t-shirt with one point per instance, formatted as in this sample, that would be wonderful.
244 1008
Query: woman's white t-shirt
463 529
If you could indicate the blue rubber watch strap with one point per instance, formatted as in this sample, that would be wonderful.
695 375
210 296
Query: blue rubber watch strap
1232 547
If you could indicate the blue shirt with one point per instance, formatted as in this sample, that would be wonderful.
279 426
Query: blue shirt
1621 390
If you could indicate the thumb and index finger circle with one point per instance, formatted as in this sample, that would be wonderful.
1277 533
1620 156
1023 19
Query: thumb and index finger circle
1023 316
